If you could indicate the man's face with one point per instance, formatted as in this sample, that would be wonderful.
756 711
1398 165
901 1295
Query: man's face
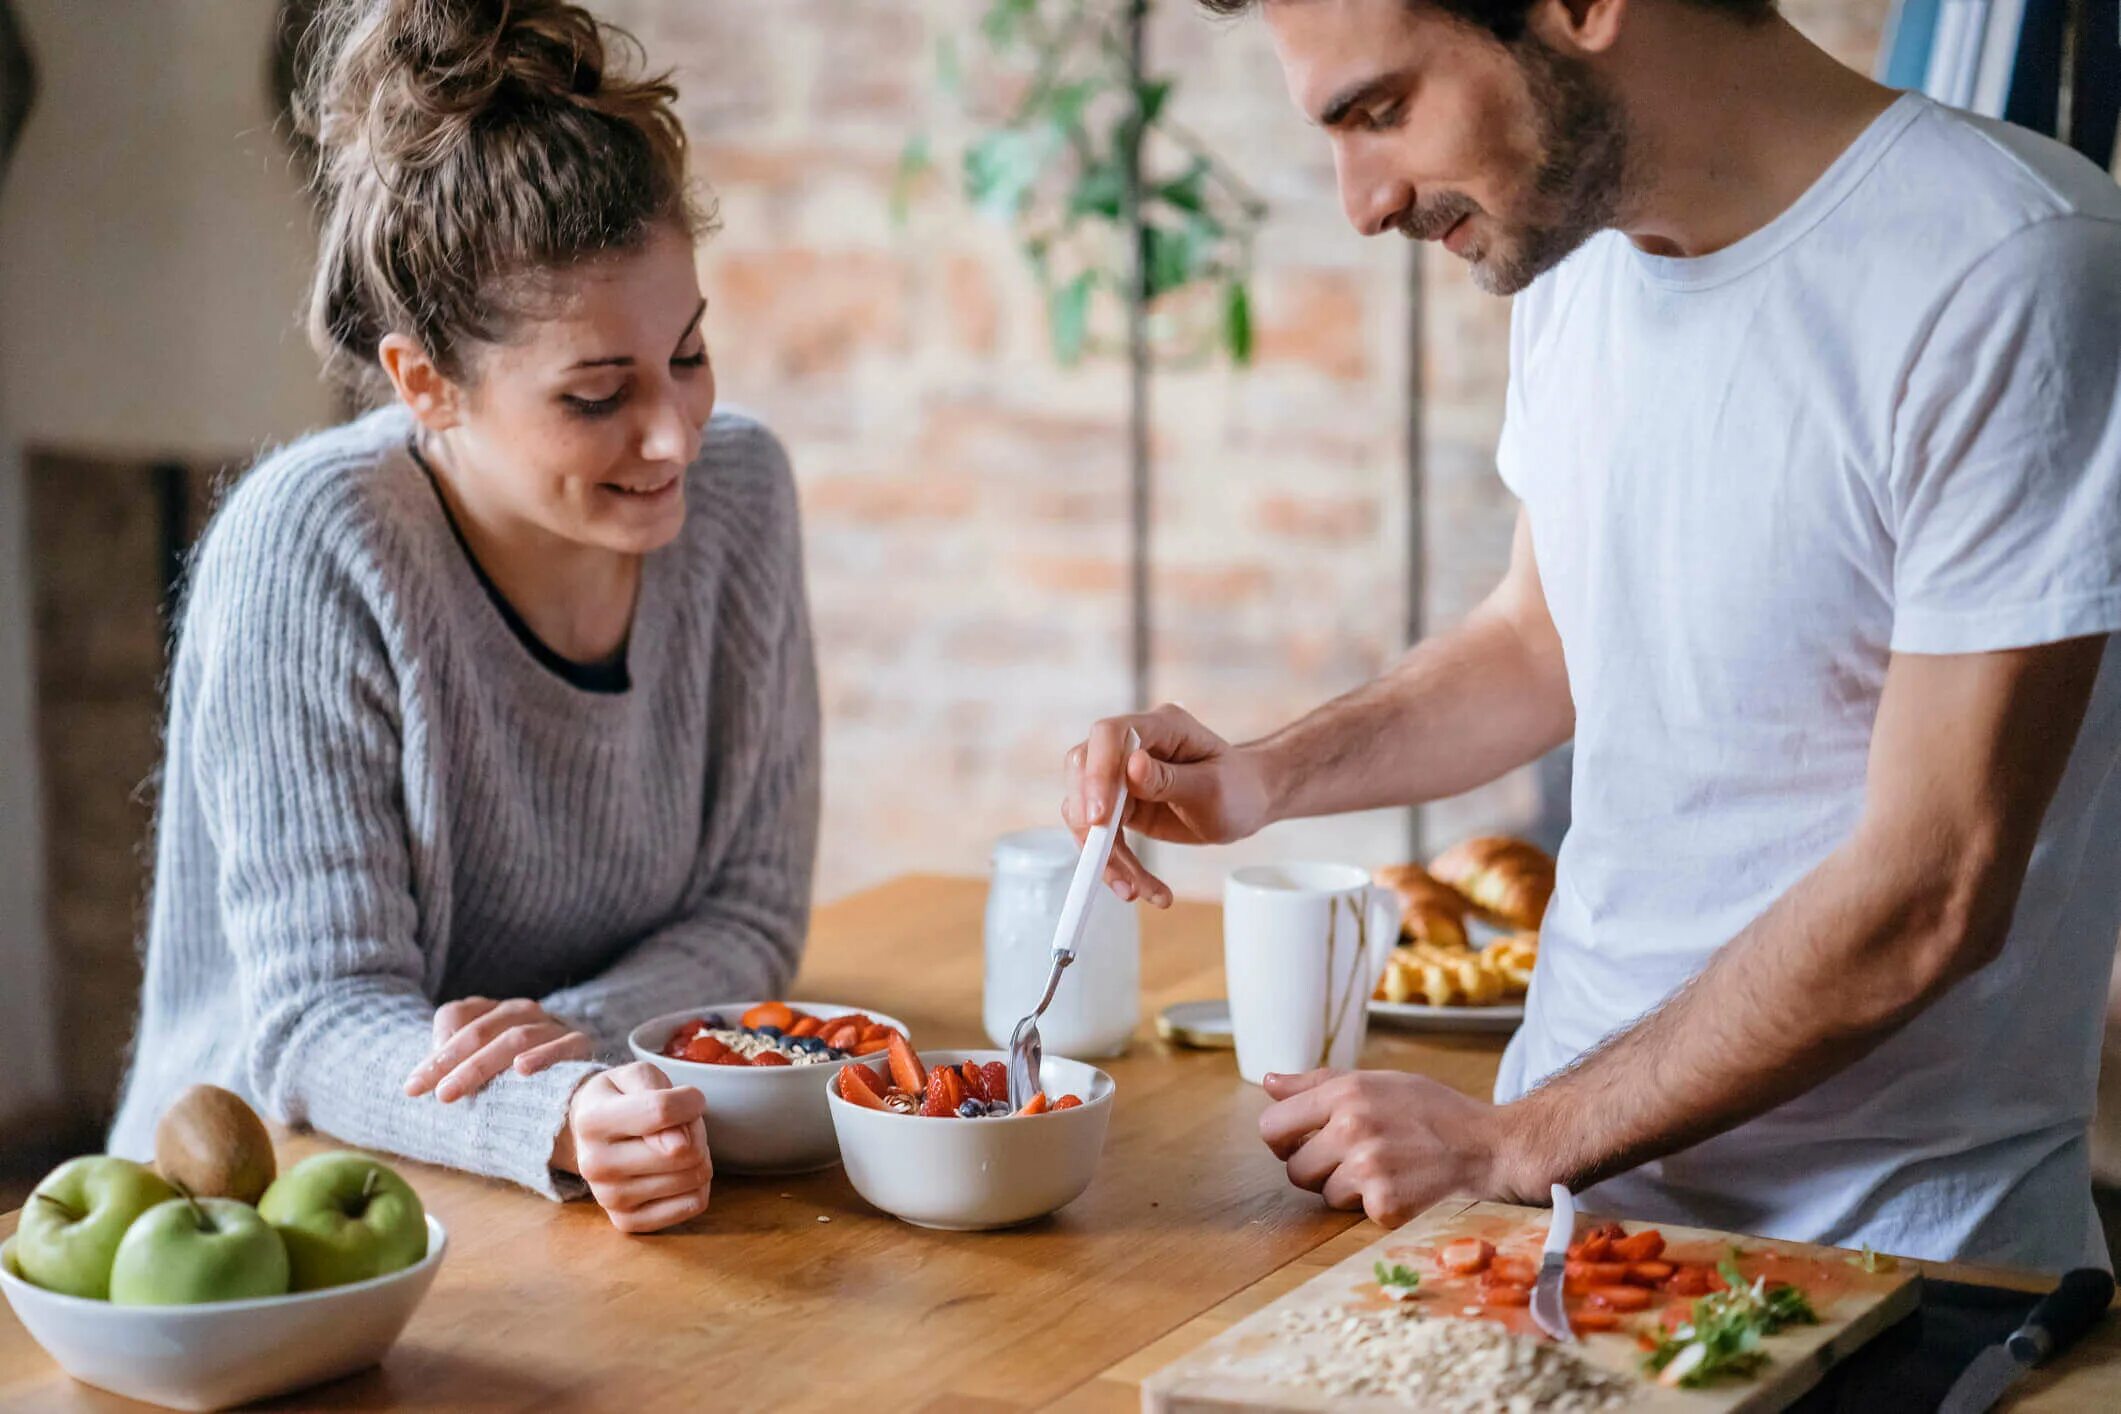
1512 156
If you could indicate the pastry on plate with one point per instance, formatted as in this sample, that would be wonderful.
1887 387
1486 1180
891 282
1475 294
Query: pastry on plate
1507 881
1429 911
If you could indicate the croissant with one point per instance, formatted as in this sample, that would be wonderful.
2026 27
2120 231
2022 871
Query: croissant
1430 912
1507 881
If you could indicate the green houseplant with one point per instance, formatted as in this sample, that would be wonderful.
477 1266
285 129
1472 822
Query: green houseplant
1123 215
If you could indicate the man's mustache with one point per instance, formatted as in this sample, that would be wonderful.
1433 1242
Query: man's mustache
1433 221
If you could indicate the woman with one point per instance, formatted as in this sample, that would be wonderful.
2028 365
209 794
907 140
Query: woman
504 691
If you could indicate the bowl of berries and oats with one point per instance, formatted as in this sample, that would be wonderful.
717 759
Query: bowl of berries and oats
931 1137
764 1068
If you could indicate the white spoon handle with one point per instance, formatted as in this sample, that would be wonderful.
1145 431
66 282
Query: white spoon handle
1090 865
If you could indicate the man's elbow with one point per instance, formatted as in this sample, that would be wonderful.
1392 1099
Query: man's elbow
1954 920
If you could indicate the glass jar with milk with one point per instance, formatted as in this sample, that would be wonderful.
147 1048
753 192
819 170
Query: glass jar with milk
1099 1002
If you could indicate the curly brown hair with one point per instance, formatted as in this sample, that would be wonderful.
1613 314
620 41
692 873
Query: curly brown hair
1505 18
464 145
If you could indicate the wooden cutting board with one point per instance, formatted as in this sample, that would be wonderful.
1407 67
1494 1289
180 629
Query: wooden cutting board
1853 1305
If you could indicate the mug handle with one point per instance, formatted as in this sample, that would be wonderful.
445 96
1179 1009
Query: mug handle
1382 911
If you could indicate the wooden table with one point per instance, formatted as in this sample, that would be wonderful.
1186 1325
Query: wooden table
792 1289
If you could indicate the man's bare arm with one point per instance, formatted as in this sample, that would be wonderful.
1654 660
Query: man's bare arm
1457 711
1965 758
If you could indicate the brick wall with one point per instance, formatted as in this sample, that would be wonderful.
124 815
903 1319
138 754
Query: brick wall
966 499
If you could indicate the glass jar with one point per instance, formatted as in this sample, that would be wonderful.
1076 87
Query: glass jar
1098 1005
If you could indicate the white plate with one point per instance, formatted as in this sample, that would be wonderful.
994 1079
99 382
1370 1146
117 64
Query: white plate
1413 1016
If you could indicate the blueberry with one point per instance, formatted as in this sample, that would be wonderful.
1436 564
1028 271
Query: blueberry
972 1109
999 1109
713 1021
771 1032
809 1045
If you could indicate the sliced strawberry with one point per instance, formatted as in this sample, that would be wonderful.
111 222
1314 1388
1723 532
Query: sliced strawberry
1510 1271
946 1091
770 1058
1467 1255
1644 1246
994 1080
907 1072
806 1026
770 1014
1068 1102
858 1092
1036 1105
706 1050
858 1020
1620 1298
862 1077
975 1086
680 1038
840 1038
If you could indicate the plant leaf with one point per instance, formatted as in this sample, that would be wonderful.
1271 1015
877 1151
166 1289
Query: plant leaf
1237 322
915 161
1068 311
1169 255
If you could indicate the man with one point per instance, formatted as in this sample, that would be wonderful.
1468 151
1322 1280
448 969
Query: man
1813 413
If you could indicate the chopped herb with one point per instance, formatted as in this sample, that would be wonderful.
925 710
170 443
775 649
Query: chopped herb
1396 1275
1873 1261
1723 1335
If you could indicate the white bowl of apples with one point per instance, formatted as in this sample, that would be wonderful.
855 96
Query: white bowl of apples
202 1302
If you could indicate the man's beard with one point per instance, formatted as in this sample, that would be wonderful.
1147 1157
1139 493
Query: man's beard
1577 190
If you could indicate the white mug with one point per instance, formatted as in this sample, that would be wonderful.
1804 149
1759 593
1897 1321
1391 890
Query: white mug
1303 947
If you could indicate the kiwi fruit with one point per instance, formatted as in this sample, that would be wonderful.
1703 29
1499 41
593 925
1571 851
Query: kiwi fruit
211 1144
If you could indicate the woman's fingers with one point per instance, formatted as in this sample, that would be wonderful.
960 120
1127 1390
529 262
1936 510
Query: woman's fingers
470 1075
614 1161
625 1116
642 1190
452 1017
662 1213
572 1046
467 1040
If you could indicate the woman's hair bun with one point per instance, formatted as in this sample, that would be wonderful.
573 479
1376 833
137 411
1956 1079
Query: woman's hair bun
461 142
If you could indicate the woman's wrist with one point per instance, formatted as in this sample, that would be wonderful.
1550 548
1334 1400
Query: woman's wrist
563 1156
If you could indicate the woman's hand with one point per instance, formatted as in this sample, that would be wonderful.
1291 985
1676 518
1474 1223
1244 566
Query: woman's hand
476 1038
641 1145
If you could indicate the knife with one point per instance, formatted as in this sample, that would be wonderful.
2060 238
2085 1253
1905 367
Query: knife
2063 1315
1548 1312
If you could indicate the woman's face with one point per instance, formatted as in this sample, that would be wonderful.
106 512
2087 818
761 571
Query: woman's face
582 422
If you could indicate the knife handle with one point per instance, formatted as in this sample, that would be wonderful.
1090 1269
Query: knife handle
2063 1315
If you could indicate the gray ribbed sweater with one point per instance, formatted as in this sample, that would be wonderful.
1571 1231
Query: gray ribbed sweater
374 800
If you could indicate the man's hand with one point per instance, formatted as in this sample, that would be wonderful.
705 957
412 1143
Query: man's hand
1186 785
1388 1143
477 1038
640 1143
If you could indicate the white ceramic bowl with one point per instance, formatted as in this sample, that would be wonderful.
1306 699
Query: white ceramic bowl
760 1119
228 1352
967 1175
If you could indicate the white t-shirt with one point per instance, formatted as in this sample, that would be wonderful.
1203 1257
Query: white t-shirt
1888 422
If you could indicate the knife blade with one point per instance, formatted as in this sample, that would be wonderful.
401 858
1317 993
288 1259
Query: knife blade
1548 1311
2062 1316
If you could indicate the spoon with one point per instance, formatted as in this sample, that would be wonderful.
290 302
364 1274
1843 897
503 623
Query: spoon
1026 1051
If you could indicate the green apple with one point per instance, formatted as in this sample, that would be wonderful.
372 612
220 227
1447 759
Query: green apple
190 1250
345 1217
73 1222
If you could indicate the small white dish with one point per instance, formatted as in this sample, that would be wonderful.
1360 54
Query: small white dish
969 1175
760 1119
227 1352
